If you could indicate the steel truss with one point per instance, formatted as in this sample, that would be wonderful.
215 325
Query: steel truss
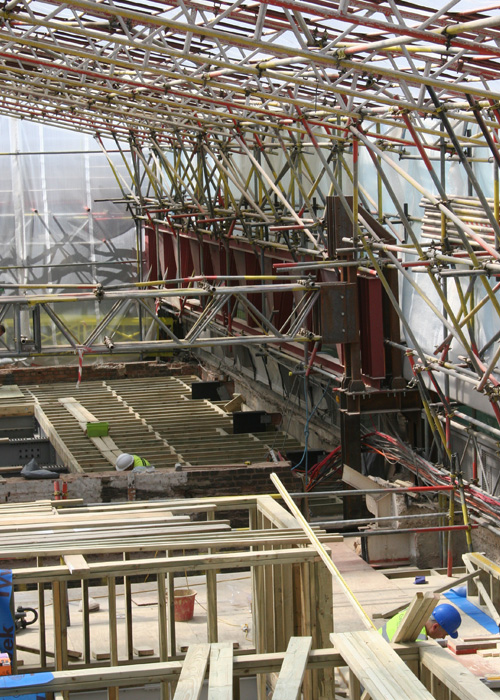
247 120
212 299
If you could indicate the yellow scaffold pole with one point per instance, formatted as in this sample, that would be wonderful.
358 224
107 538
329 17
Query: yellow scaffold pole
322 551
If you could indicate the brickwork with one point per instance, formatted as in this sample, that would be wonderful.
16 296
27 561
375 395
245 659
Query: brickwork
119 370
119 486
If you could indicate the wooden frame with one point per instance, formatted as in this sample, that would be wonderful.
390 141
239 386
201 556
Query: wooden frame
291 603
291 587
487 585
382 667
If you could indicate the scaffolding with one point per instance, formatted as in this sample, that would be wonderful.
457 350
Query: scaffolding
352 142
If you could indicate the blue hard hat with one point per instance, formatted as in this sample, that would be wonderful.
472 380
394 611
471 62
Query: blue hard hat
448 617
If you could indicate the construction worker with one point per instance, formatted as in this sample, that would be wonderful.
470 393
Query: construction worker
445 620
126 461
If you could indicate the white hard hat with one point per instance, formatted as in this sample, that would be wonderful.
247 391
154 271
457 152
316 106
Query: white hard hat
124 461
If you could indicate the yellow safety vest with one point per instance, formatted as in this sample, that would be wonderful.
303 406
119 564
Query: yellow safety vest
389 629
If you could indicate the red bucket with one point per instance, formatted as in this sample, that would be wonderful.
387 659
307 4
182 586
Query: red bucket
184 604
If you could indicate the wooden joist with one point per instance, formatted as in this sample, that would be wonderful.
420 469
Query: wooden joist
377 667
220 680
294 667
193 672
62 450
153 418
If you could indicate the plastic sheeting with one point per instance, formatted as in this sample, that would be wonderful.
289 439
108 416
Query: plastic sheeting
58 221
56 189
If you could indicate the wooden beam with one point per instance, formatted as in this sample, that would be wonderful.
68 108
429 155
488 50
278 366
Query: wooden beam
234 404
193 672
24 409
456 677
75 563
293 669
237 560
220 679
377 667
321 551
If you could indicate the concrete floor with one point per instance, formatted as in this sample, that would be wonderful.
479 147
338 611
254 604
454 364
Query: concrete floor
234 624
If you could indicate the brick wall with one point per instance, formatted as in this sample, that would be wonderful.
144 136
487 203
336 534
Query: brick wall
117 486
116 370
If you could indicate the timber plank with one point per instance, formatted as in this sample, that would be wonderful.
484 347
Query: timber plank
293 669
419 611
220 680
462 683
75 563
193 672
377 667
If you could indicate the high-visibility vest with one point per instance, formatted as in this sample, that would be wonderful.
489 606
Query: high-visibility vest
389 629
140 461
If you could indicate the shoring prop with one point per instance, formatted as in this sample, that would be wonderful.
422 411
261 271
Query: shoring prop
276 191
155 182
452 326
364 195
226 170
476 110
466 319
298 180
432 419
489 370
334 183
173 174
